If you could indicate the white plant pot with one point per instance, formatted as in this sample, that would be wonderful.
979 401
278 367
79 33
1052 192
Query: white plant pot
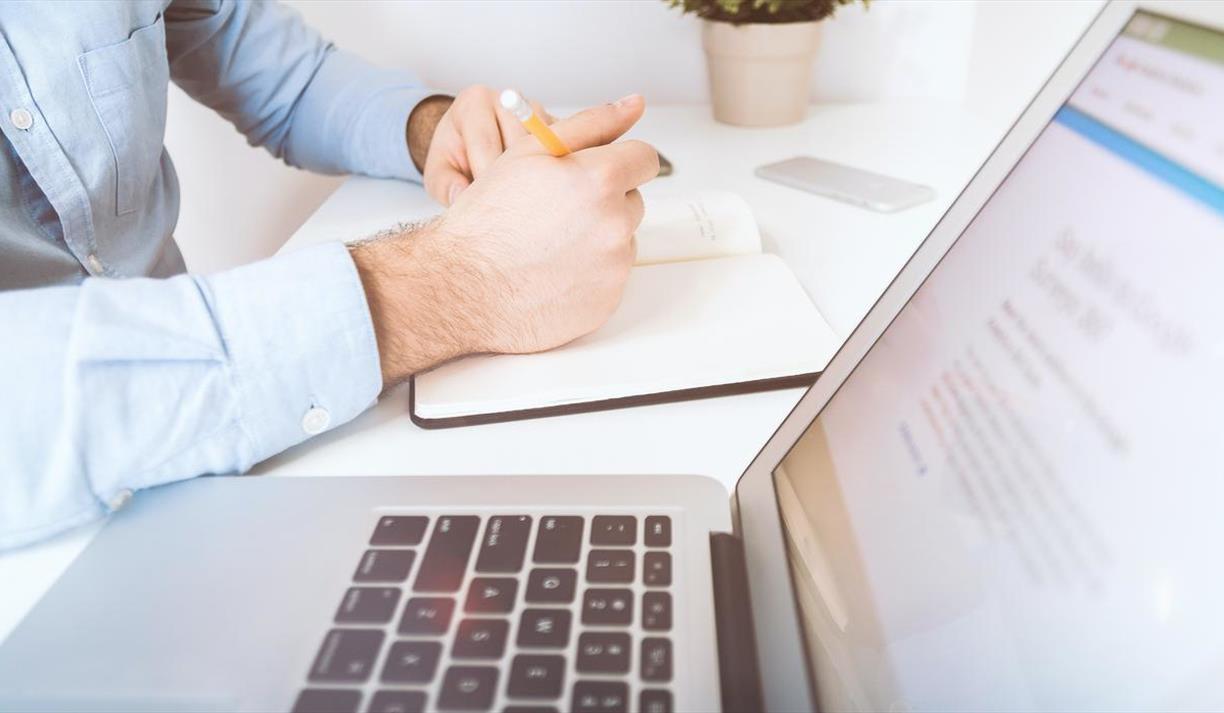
760 73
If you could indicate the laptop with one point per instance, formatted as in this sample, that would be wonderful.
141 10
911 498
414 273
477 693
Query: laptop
1003 494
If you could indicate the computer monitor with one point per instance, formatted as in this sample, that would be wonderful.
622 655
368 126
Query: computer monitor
1015 499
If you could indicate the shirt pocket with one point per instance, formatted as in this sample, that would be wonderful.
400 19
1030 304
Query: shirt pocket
127 83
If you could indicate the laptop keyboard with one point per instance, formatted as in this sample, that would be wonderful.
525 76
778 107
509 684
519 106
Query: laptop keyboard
426 625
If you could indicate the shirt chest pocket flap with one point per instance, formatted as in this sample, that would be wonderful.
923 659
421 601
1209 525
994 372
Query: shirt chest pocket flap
127 83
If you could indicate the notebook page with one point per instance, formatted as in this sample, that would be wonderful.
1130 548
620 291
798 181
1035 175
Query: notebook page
679 326
705 225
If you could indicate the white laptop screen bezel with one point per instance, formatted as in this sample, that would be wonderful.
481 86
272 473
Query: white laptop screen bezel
776 619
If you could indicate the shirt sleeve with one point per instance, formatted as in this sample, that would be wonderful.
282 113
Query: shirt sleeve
118 385
289 90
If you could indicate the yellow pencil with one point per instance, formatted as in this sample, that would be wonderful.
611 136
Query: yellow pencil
516 105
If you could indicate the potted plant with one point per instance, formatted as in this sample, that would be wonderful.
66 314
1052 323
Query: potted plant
759 54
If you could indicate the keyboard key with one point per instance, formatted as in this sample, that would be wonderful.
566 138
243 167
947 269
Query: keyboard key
656 611
610 566
322 700
480 639
658 531
656 660
607 606
412 662
653 700
600 697
397 702
446 557
384 566
558 540
504 544
427 615
544 628
614 530
491 595
656 569
368 605
600 652
551 586
347 655
400 530
529 709
534 676
468 688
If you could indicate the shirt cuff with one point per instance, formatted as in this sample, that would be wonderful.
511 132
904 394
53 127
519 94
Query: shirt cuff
382 133
362 111
300 342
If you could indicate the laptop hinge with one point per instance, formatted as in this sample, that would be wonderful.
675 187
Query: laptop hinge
737 651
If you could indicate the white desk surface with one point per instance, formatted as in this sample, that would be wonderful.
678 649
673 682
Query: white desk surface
843 255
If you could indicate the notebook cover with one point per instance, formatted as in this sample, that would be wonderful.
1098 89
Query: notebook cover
663 397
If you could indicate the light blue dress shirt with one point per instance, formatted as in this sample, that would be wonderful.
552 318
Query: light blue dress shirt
111 381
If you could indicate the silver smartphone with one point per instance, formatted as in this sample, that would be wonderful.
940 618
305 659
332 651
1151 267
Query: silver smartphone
846 183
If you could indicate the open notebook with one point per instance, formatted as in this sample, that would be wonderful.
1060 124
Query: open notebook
705 313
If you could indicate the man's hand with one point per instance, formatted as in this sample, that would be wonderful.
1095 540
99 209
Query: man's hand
531 256
471 133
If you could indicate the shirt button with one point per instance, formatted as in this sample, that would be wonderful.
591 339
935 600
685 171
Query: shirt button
316 420
21 118
95 265
119 499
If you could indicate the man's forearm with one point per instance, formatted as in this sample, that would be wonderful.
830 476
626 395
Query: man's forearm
118 385
289 90
423 291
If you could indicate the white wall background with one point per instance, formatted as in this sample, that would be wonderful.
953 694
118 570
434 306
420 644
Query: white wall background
239 204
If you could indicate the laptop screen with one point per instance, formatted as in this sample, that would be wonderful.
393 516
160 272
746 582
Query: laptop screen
1016 500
